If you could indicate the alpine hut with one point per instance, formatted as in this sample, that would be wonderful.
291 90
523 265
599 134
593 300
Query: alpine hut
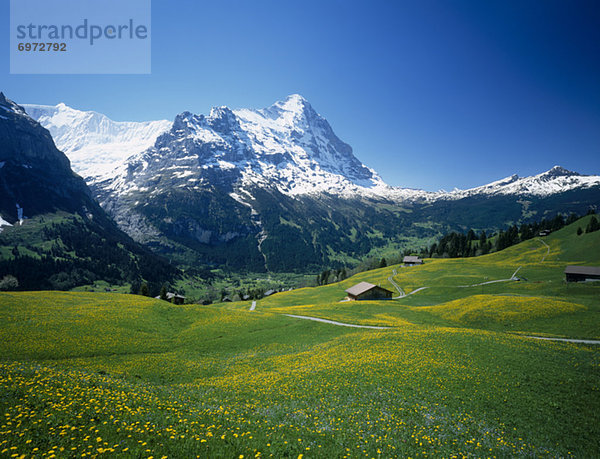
367 291
412 260
582 273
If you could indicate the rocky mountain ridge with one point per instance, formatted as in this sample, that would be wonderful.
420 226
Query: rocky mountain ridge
287 145
276 189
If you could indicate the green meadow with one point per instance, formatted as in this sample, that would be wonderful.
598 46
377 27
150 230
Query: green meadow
454 375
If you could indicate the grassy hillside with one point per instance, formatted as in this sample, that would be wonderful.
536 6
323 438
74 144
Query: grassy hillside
455 284
84 374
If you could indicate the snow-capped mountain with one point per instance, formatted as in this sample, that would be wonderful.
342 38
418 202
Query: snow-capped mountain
236 187
288 146
95 144
296 147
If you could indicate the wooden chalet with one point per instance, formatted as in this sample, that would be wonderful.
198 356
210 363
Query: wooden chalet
367 291
412 260
582 273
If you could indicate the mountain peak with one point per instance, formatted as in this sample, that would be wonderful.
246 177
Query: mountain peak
294 103
223 119
558 171
10 106
296 99
222 112
94 143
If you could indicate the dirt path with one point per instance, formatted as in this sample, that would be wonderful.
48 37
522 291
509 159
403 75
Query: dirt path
333 322
412 293
566 340
547 252
396 286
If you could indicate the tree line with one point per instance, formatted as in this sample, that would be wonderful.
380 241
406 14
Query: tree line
469 244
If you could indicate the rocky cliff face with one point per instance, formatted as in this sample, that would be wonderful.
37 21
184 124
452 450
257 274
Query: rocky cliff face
35 177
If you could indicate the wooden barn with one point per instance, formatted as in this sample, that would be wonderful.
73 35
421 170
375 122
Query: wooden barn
412 260
366 291
582 273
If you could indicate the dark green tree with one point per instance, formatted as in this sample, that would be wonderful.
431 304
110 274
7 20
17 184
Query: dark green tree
9 282
163 293
482 238
135 287
572 218
144 290
593 225
343 274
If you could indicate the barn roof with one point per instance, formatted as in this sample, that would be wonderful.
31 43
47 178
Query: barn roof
587 270
411 259
361 288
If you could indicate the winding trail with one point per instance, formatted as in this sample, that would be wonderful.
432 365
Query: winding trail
416 290
333 322
547 252
566 340
411 293
396 286
512 278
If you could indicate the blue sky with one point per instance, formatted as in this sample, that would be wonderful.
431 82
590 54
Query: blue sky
431 94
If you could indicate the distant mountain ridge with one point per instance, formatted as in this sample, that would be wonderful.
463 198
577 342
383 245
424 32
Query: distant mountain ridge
553 181
235 187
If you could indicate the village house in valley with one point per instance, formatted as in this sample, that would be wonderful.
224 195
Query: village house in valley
367 291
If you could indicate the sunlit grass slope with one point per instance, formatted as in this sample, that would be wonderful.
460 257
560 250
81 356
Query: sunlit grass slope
215 382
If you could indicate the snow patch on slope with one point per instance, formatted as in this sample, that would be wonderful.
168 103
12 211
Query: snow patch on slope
3 223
